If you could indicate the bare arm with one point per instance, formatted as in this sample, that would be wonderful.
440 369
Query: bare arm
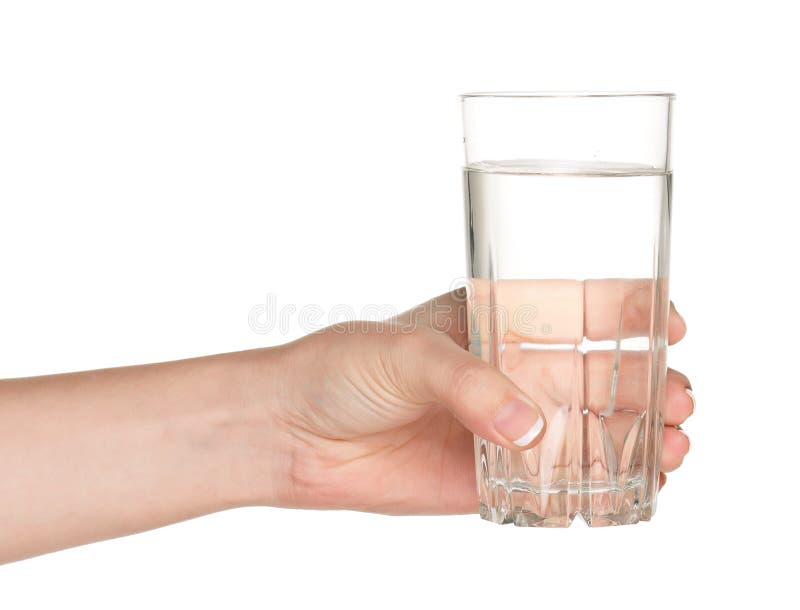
93 455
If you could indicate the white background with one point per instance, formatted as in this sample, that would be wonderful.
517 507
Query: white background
166 165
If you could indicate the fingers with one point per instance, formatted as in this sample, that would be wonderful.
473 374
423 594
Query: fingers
613 382
546 311
597 381
602 379
537 311
617 380
676 327
627 388
617 308
567 311
680 403
484 400
675 446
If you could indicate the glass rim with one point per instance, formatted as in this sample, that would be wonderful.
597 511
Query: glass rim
564 94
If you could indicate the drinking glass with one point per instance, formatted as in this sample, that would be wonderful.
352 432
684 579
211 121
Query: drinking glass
567 199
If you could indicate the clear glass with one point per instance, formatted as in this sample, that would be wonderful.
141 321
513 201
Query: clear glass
567 201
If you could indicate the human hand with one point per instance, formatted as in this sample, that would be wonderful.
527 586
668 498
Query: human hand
381 417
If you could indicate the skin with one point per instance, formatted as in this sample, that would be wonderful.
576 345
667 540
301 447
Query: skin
358 418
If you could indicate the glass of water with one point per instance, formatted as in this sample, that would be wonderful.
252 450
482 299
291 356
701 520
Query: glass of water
567 201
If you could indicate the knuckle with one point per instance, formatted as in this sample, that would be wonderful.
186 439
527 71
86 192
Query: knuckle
412 342
407 350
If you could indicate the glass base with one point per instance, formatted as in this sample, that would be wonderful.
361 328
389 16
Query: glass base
526 518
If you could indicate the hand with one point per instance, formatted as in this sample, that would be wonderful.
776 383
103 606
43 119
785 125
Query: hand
381 419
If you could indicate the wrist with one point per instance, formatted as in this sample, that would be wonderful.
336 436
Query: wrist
256 440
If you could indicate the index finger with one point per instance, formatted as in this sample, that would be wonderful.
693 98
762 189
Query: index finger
569 311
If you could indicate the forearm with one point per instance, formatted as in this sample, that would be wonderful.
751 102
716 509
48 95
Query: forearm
99 454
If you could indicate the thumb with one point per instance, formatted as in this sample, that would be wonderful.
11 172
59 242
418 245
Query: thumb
483 399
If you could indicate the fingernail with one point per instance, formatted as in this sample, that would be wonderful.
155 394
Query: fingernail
691 395
519 422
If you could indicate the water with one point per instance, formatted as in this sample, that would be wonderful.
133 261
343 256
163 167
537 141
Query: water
569 299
